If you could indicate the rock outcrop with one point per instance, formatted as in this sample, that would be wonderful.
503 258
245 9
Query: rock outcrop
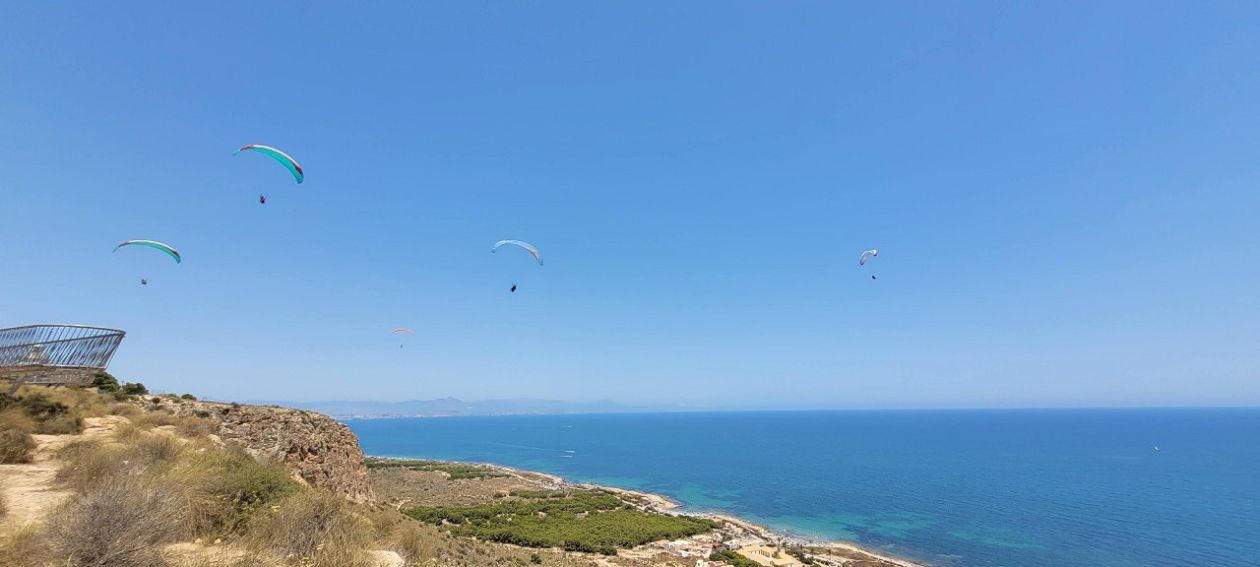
316 448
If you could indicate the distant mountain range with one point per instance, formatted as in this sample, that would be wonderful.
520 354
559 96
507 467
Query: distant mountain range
444 407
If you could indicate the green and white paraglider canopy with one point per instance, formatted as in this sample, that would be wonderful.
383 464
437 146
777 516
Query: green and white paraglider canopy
173 253
284 159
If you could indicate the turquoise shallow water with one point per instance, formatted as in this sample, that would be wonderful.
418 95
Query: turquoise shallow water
985 488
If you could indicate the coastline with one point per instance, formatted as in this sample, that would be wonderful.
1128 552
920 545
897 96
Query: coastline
740 529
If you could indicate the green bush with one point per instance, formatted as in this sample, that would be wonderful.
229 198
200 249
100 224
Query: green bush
591 521
535 559
16 445
43 414
105 382
39 406
188 397
455 471
236 486
134 389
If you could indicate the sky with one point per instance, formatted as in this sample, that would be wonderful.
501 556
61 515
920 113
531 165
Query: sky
1064 196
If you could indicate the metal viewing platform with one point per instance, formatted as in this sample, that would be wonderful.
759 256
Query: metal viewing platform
56 354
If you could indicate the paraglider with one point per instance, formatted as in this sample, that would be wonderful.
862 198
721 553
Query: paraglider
524 245
533 251
403 331
262 199
284 159
867 255
144 281
173 253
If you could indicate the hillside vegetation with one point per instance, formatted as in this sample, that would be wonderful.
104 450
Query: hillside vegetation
589 520
109 479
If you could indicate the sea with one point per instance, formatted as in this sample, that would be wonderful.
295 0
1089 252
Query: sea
1015 488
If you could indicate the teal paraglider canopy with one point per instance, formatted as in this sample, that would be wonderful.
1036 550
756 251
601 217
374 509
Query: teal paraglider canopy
284 159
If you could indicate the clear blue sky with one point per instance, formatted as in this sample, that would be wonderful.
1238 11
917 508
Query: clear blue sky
1065 197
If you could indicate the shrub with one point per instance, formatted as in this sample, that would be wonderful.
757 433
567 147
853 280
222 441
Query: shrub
229 488
456 471
16 445
25 546
39 406
592 521
152 450
105 382
39 413
134 389
86 462
417 543
535 559
60 425
317 527
188 397
119 520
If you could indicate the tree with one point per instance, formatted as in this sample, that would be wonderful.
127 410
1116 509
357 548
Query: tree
134 389
105 382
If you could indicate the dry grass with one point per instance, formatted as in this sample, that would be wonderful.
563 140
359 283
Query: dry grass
87 461
227 488
142 489
16 445
185 426
42 411
85 402
119 521
313 527
124 409
25 547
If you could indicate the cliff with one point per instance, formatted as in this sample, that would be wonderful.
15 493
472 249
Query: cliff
317 449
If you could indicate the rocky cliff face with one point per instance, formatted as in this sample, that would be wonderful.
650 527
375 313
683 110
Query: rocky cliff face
317 449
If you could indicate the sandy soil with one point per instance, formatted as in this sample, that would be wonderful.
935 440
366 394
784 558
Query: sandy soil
28 488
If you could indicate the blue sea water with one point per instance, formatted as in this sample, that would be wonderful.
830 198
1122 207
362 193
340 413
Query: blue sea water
979 488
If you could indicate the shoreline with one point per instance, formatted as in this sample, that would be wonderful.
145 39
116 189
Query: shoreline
664 505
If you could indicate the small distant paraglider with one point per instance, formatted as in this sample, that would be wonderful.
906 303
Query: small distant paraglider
288 162
866 256
262 199
164 248
533 251
403 331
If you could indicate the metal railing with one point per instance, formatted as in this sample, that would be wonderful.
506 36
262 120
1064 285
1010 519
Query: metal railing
58 346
